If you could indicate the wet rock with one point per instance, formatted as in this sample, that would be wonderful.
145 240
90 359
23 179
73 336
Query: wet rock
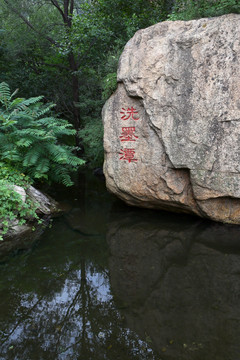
19 234
45 204
20 237
171 130
21 192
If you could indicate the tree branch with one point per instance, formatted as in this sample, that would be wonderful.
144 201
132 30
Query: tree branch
71 7
66 3
30 24
56 4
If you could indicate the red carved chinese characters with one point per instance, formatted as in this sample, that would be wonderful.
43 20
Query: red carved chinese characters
129 114
128 134
127 154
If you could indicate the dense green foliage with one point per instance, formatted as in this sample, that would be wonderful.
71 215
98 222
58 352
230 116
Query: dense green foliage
12 206
190 9
30 139
95 40
30 143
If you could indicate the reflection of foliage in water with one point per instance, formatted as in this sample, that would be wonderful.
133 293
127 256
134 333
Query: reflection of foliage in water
56 304
175 280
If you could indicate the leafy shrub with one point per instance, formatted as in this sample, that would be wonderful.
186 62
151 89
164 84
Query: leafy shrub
30 139
109 73
12 206
109 85
190 9
92 137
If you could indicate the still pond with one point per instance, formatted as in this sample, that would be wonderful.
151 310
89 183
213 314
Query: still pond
108 281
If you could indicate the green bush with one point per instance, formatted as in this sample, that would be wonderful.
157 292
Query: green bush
191 9
31 139
12 206
92 138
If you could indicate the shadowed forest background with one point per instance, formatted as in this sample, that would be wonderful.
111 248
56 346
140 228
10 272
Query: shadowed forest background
68 50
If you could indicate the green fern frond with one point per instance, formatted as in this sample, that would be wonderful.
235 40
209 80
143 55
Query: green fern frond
43 166
20 117
48 121
5 93
74 161
7 121
31 157
57 153
30 140
5 145
59 126
15 102
25 103
61 175
13 94
39 114
24 142
11 156
34 133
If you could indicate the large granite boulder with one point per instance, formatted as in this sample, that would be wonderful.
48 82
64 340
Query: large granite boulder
172 128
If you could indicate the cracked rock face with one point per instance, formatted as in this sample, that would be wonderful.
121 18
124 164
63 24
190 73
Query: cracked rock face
172 128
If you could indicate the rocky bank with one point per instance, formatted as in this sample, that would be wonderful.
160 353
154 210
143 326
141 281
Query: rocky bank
172 128
22 236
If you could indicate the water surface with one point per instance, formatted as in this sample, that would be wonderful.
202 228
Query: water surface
111 282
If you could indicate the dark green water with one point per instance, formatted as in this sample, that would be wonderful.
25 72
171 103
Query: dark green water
112 282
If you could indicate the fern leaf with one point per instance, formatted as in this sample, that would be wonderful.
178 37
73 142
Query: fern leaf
31 140
44 111
61 175
5 93
31 101
31 157
24 142
57 153
75 161
15 103
34 133
11 155
43 166
13 94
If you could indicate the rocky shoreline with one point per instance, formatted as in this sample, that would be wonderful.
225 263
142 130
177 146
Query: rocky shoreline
21 236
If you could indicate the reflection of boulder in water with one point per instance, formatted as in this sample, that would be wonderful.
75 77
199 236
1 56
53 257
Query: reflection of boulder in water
173 289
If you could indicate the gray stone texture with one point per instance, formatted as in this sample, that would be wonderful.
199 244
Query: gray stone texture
183 80
45 207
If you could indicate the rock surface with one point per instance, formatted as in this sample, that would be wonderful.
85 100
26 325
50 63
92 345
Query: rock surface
18 234
45 204
172 128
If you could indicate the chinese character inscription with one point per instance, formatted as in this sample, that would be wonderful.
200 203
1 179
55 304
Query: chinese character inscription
128 134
